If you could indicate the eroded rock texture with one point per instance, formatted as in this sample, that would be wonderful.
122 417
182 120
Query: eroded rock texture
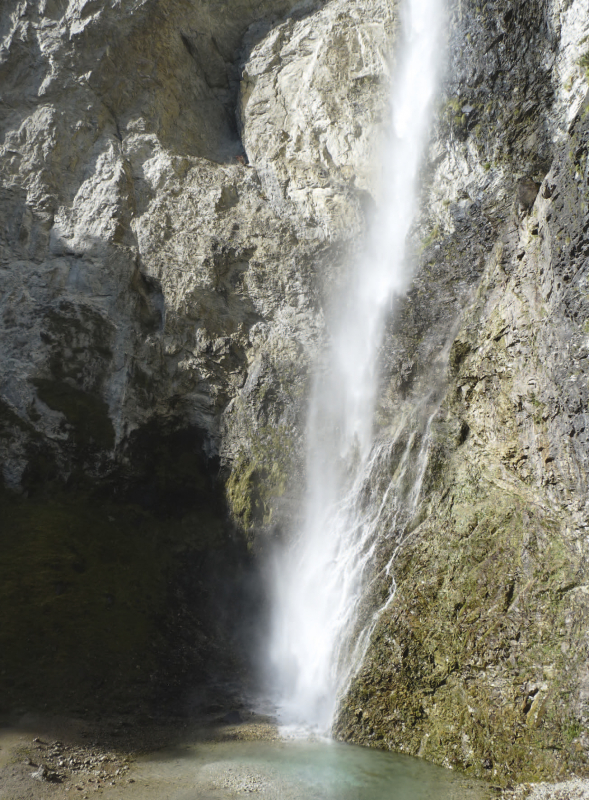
182 185
480 661
160 310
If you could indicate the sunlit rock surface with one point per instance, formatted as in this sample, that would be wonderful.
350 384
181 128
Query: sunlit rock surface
159 314
312 107
480 661
182 185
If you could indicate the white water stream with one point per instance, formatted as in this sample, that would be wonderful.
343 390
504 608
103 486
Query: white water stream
318 582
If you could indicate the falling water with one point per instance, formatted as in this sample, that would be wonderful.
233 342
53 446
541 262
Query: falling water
319 580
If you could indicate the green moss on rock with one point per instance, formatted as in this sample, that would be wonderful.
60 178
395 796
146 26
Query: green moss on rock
260 476
468 668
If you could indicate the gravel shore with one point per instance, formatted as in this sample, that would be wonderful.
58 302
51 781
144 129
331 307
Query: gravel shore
575 789
52 759
46 758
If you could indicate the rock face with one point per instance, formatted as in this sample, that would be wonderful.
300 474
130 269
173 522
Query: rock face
183 184
480 661
159 312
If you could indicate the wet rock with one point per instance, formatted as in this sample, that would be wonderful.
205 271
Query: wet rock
173 229
232 718
472 664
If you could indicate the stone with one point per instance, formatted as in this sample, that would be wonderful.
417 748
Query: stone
498 532
183 187
40 774
527 191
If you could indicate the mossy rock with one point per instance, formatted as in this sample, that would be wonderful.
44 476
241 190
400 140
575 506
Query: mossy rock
466 667
259 477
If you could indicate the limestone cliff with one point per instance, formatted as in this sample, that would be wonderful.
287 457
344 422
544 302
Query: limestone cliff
480 661
182 186
159 311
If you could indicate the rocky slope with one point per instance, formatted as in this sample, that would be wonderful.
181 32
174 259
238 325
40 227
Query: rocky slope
183 184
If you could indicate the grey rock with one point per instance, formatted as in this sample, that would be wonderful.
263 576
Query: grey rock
491 573
527 191
182 189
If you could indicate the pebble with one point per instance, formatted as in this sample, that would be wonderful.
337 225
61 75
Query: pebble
62 762
41 774
575 789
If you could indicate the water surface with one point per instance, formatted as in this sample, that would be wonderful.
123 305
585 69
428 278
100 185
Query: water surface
297 770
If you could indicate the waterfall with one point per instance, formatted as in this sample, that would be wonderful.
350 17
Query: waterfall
318 581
